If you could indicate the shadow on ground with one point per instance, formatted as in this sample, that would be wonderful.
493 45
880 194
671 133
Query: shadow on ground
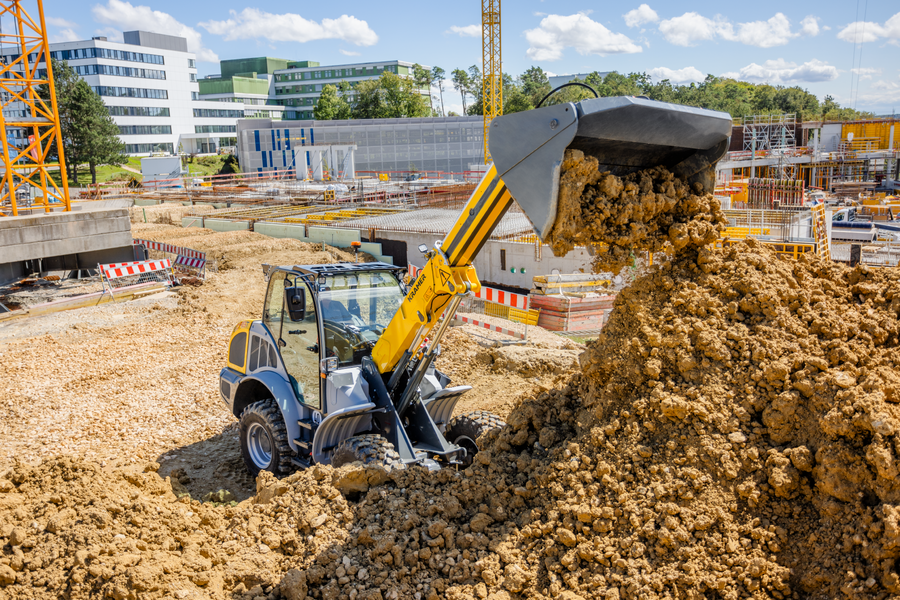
209 466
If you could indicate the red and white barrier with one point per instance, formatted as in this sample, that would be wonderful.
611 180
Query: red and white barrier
186 261
504 298
488 326
117 270
163 247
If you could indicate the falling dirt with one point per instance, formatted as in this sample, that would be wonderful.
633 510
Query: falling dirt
733 433
650 210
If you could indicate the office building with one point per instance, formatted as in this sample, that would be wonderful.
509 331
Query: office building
149 84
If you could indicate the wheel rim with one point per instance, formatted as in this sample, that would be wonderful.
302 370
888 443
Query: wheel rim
259 445
471 447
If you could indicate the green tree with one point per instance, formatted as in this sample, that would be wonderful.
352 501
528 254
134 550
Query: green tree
389 96
460 81
96 133
535 84
332 104
230 166
437 75
423 79
90 136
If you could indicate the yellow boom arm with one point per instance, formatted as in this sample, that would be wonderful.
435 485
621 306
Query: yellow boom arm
447 275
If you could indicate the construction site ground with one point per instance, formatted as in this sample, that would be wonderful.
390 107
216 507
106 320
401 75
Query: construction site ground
733 432
126 383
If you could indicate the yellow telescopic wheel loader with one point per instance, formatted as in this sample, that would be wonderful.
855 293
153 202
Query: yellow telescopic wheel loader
340 368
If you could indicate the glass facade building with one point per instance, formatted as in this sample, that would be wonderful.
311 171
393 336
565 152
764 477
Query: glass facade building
449 144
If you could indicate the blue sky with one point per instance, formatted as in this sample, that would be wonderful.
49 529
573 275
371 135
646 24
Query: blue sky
849 50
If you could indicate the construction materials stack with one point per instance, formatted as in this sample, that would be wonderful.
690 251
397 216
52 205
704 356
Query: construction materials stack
578 302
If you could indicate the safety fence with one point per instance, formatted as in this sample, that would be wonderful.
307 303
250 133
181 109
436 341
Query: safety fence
886 254
117 276
184 260
494 310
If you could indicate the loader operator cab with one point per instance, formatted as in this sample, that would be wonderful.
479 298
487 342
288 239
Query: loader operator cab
347 306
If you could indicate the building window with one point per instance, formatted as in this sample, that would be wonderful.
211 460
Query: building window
82 53
123 92
212 112
144 129
215 128
138 111
193 78
192 64
117 71
149 148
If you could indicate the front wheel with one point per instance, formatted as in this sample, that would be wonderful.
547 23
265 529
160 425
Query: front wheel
465 429
369 449
264 441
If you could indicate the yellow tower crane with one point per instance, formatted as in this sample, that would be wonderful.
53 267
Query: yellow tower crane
492 72
29 162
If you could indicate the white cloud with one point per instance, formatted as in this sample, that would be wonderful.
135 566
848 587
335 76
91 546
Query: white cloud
128 17
348 52
866 73
110 33
640 15
810 26
866 31
780 71
692 27
465 31
765 34
65 35
586 36
685 75
252 23
58 22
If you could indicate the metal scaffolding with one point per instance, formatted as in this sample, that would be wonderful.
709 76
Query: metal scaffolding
26 166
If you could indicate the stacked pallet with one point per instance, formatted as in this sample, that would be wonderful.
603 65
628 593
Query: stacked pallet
571 303
571 314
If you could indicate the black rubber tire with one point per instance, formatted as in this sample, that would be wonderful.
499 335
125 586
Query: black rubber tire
465 429
370 449
264 418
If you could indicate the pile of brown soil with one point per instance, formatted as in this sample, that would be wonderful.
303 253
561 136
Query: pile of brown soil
650 210
732 435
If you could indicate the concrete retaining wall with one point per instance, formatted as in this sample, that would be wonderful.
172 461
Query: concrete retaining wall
59 234
339 238
222 225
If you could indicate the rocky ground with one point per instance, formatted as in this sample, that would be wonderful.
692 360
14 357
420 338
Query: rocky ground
731 434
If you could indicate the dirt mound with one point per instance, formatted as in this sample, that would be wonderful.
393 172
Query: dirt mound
650 210
732 434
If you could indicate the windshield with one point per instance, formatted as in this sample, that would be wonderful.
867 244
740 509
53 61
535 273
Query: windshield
355 309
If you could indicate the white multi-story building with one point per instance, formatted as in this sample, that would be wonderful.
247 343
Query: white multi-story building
149 83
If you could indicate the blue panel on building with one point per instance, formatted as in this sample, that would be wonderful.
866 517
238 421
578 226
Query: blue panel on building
287 140
256 135
265 166
271 162
302 137
312 137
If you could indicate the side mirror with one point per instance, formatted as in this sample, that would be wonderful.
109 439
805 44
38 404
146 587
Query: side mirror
296 302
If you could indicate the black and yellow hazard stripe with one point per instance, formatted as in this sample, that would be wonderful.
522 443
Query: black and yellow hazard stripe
487 205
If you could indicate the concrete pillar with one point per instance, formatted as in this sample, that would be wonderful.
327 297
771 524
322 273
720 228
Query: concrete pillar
332 163
350 172
316 159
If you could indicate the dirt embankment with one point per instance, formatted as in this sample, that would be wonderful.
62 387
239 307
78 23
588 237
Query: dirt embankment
733 433
650 210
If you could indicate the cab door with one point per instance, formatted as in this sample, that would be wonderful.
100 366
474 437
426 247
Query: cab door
296 336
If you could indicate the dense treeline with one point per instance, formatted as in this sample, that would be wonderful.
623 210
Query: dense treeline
738 98
394 96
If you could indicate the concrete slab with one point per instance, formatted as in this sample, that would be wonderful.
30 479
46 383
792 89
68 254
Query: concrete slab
93 227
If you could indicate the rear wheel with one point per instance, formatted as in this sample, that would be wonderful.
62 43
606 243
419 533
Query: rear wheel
369 450
465 429
264 441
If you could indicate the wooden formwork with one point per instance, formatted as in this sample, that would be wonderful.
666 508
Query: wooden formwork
570 314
